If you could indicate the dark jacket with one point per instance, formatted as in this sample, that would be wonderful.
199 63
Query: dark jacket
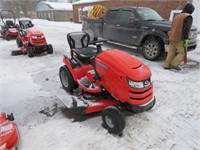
181 24
189 8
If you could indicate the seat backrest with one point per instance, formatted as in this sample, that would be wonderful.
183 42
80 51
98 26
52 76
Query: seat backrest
78 40
9 23
24 24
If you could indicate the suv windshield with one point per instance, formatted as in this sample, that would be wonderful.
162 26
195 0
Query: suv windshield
149 14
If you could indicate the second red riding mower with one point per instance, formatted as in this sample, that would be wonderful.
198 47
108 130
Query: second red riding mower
109 81
9 134
31 40
9 29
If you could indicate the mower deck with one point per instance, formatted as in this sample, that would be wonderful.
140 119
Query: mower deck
81 105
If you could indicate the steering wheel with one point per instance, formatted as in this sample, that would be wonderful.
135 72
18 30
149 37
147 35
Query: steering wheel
26 26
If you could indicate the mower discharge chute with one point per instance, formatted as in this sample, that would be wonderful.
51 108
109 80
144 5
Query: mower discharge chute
9 28
107 81
9 135
31 40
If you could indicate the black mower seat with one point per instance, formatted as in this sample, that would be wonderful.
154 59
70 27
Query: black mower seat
9 23
85 53
78 42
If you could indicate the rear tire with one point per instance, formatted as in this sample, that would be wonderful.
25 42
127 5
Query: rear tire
50 49
30 51
113 120
152 49
67 80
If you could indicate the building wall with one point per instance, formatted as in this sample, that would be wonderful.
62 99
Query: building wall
163 7
60 15
56 15
44 15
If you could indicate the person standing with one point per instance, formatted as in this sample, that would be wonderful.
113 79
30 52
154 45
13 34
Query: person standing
179 37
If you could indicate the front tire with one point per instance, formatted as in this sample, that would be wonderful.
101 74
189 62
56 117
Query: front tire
67 80
113 120
19 42
50 49
30 51
152 49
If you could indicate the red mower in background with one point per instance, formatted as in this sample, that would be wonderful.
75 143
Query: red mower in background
109 81
9 135
9 29
31 40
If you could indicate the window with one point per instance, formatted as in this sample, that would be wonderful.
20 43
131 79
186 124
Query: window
112 16
149 14
125 15
173 14
79 14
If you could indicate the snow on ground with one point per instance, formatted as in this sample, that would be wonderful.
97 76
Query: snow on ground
29 88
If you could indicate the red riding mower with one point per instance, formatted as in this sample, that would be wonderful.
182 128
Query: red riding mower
31 40
9 135
9 29
107 81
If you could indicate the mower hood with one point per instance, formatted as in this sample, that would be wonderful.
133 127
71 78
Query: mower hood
34 32
124 59
124 64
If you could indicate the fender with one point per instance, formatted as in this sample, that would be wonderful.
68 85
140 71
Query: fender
77 69
154 32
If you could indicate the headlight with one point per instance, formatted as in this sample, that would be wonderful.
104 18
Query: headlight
140 84
38 37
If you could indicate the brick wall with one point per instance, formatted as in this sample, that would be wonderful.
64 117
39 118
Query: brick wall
163 7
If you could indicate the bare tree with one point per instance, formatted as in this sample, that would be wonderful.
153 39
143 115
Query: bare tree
21 8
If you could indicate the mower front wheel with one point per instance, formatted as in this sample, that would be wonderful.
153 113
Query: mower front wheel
30 51
67 80
50 49
19 42
113 120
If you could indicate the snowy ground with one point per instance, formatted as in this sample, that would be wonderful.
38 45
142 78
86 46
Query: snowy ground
29 88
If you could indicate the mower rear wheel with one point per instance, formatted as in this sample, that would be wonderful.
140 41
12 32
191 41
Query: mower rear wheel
67 80
50 49
113 120
30 51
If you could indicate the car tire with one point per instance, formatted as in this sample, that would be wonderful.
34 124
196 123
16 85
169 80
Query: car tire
152 49
113 120
67 80
30 51
50 49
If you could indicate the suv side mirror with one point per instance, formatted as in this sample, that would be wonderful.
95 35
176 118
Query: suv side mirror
132 20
